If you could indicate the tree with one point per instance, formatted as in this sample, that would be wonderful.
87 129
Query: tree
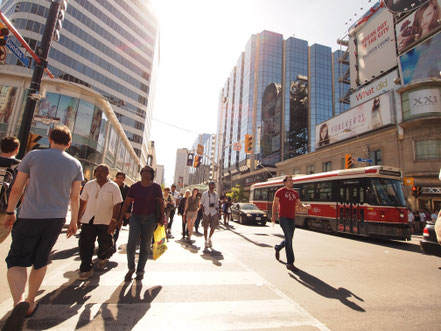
236 194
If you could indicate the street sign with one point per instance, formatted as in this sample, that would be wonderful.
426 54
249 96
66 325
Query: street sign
200 150
364 159
237 146
17 52
408 181
3 54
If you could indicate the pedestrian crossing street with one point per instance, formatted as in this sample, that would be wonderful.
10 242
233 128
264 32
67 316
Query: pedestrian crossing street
185 289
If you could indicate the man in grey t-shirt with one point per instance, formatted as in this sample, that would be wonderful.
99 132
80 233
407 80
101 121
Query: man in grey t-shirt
54 179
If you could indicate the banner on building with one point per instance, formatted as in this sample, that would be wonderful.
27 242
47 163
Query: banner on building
402 6
423 61
371 115
271 122
425 101
372 48
418 25
374 89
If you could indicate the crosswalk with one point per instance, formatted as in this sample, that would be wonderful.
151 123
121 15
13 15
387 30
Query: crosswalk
185 289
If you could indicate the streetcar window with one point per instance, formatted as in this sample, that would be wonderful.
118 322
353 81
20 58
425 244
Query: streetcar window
386 192
257 194
271 192
348 196
309 192
324 191
361 194
264 195
354 198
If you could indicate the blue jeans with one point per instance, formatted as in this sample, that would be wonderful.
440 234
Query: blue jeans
141 226
288 226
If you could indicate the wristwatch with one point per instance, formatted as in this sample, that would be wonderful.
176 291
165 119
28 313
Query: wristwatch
10 213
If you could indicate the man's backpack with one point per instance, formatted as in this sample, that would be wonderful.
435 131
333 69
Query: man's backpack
7 178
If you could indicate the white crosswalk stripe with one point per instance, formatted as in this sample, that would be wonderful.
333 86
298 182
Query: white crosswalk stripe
186 289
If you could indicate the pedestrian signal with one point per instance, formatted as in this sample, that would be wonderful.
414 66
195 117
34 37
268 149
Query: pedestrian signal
248 143
190 157
348 161
197 161
3 33
32 141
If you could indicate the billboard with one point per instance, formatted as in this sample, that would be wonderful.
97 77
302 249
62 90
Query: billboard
372 48
425 101
418 25
271 123
374 89
368 116
423 61
402 6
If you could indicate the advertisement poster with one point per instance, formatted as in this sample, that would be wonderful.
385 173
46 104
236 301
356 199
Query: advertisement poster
7 100
271 121
374 89
422 61
372 48
112 141
48 106
121 152
102 132
425 101
67 109
96 123
418 25
402 6
368 116
84 118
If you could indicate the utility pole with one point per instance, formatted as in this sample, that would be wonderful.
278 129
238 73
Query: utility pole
39 68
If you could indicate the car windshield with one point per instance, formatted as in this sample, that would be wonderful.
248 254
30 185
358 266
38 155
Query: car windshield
248 206
385 192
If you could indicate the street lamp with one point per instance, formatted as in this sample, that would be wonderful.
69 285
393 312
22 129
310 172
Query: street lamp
363 147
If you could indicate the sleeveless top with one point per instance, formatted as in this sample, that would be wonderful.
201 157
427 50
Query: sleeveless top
193 204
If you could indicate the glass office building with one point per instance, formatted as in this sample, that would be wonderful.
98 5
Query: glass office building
109 46
281 89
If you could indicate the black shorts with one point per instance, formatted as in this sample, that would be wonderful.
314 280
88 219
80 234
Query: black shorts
32 241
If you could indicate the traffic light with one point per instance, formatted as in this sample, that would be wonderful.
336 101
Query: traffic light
197 161
348 161
3 33
190 157
416 191
32 141
248 143
60 18
419 190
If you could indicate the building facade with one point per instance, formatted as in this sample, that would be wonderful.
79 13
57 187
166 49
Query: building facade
204 173
159 178
109 46
182 171
278 92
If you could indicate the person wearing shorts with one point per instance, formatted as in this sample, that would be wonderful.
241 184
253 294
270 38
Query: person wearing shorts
191 211
210 208
53 178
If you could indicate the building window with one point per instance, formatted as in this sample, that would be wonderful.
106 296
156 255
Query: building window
376 157
326 166
310 169
296 171
428 150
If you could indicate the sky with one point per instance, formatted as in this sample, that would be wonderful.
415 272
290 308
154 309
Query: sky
200 43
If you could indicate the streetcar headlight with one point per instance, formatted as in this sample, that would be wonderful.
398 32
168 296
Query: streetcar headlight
401 215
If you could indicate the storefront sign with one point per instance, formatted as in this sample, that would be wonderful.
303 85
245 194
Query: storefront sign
425 101
374 89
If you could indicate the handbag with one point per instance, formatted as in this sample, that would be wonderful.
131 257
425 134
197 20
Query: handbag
160 242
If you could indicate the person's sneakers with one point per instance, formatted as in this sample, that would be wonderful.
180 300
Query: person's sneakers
102 263
85 275
277 253
210 243
292 268
128 276
15 321
206 244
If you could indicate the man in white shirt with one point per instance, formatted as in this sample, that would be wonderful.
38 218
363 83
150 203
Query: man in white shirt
100 204
210 207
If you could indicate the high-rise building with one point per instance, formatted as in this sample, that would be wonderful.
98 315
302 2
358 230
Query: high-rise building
109 46
159 177
204 172
278 92
182 171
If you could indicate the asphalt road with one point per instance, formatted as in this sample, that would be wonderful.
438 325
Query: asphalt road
345 283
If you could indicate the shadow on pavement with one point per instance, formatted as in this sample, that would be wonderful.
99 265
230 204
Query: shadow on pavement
248 239
189 246
123 310
326 290
212 255
73 294
64 254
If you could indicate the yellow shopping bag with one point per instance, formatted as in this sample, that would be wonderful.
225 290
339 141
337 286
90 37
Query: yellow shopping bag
160 245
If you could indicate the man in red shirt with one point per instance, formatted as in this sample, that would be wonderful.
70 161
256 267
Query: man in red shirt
286 200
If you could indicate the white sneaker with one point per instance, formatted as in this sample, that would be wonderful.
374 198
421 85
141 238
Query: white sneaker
85 275
210 243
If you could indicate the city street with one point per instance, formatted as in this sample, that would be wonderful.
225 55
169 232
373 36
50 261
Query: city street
344 284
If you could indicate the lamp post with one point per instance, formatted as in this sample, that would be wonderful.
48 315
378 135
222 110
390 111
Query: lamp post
363 147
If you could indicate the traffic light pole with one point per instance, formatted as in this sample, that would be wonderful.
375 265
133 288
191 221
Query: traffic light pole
39 68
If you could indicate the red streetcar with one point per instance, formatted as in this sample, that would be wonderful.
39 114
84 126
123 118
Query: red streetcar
362 201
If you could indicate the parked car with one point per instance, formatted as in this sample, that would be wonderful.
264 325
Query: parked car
247 213
429 244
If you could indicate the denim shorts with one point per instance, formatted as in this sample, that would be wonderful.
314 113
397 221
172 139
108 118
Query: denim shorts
32 241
